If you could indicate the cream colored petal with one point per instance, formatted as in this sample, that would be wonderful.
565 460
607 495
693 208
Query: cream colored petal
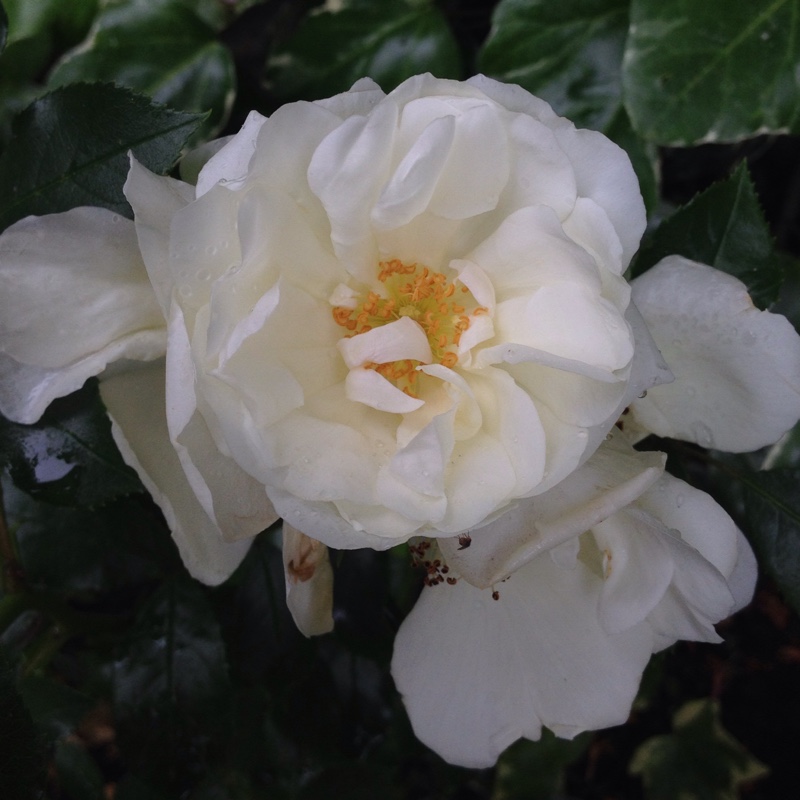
136 404
235 501
155 200
229 165
414 181
347 172
71 284
309 582
611 479
637 568
603 173
477 673
737 369
74 298
401 339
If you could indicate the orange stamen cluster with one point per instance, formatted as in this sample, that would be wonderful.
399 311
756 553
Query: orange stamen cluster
425 296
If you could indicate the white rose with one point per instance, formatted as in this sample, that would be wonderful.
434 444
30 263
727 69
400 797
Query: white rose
400 314
396 316
550 615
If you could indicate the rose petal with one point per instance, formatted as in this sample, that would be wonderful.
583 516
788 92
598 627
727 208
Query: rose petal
309 582
476 673
136 403
155 200
737 369
74 298
611 479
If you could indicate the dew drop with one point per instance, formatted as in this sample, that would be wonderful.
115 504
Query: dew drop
679 500
702 434
643 395
203 275
115 219
211 250
185 291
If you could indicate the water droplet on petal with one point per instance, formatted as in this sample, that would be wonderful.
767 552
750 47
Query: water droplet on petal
679 500
702 434
643 395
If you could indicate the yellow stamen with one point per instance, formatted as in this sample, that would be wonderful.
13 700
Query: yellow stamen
414 291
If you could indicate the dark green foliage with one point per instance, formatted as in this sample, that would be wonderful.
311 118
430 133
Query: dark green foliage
70 148
725 228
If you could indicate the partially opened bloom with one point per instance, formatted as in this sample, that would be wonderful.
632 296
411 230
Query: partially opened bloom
550 616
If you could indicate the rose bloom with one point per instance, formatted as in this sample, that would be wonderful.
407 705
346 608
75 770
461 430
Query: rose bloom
404 315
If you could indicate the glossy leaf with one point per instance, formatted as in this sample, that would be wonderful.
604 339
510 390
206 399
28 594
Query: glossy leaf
22 765
534 770
704 72
82 550
172 668
771 502
3 28
70 148
568 53
725 228
388 42
38 31
643 156
77 773
785 454
161 48
55 708
68 457
699 759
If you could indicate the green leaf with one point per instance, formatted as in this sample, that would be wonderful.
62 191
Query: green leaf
352 780
703 72
725 228
388 42
78 551
160 48
68 457
3 28
56 709
170 683
40 30
78 773
698 760
643 156
535 770
568 53
771 518
70 148
21 752
785 453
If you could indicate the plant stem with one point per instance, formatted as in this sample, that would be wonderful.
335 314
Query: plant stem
11 573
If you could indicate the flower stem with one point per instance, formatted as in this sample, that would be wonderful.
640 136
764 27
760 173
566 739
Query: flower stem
11 573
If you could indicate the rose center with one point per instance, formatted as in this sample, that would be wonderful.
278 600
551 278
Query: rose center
441 309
